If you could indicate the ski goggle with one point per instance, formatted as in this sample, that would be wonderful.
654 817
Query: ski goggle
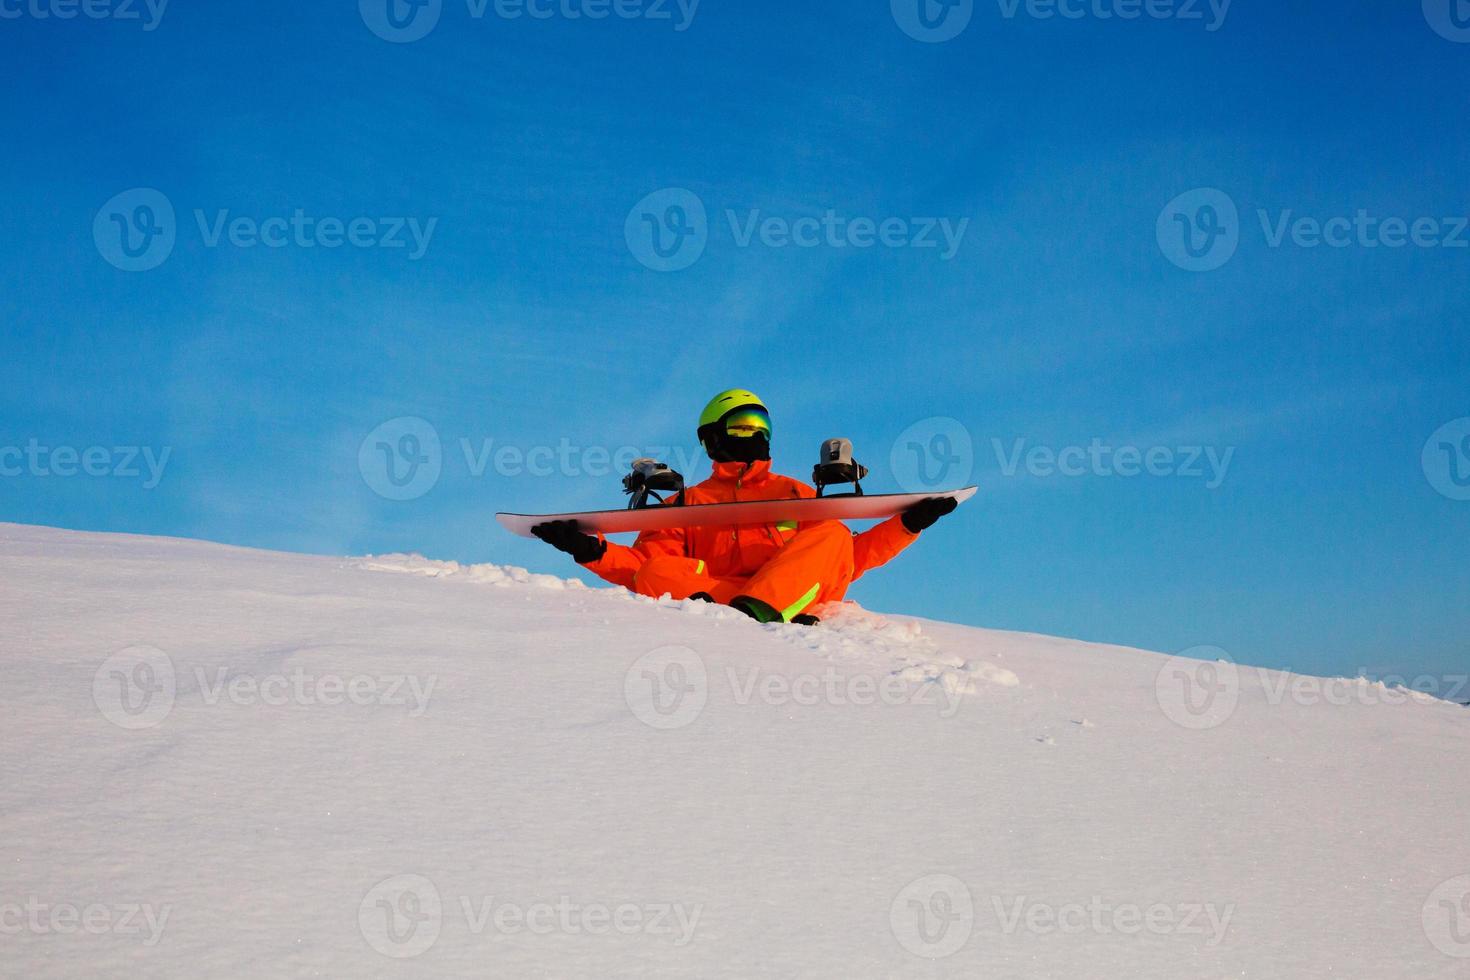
748 422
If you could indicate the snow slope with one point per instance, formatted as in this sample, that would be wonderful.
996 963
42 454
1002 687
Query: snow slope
221 762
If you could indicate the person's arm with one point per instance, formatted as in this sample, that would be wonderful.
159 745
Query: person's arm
619 562
879 545
612 562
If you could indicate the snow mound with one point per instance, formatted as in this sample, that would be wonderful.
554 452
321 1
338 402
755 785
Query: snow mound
487 574
223 762
848 633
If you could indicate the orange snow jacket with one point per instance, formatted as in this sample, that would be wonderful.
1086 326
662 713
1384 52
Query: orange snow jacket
737 552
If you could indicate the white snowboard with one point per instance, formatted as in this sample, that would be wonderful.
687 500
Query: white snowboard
660 518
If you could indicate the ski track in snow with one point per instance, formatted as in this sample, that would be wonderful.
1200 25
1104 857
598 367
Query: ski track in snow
848 634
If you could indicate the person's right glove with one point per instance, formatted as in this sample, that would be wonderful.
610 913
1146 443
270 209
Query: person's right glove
564 536
921 516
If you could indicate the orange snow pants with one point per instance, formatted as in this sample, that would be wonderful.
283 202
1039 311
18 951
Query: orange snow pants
814 567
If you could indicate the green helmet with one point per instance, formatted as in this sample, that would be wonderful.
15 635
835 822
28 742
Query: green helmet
726 401
735 425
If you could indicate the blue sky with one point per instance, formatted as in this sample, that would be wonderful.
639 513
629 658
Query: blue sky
1063 152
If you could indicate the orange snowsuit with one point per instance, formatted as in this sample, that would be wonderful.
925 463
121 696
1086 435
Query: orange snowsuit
789 566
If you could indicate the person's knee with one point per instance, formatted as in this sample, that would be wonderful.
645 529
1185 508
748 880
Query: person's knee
831 529
662 573
828 533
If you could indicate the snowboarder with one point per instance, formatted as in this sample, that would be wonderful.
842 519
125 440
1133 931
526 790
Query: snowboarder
770 572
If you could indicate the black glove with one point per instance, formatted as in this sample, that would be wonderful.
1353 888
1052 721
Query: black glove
922 515
564 536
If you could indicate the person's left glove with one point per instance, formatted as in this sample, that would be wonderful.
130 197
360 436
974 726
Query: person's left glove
564 536
921 516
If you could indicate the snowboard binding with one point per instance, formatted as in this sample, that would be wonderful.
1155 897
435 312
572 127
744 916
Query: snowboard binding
650 478
837 467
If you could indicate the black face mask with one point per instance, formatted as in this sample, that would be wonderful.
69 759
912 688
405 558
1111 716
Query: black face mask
725 448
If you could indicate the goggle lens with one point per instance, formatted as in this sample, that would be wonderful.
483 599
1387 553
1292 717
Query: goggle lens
747 423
